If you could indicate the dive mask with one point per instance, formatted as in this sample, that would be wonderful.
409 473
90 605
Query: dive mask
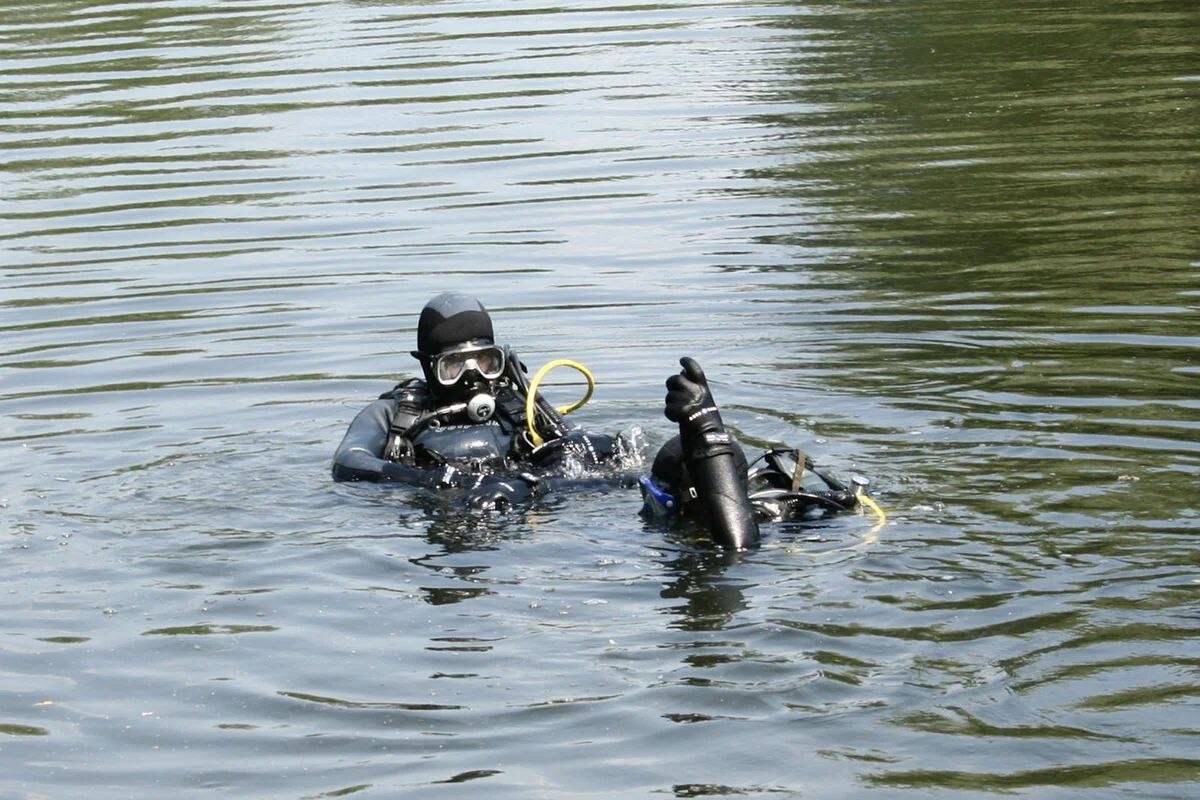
449 367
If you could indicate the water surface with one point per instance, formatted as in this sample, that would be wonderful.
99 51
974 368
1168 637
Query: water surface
954 249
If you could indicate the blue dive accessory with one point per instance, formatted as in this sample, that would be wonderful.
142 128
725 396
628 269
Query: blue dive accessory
656 500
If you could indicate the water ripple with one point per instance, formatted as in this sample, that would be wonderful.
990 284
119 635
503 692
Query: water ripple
953 249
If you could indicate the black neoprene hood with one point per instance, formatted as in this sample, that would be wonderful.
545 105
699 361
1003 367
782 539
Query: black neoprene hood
450 319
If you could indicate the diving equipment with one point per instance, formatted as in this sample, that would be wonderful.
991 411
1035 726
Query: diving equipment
657 500
487 360
481 407
776 490
532 396
710 456
774 487
476 447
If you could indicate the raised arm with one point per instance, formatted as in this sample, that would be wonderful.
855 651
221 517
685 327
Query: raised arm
710 456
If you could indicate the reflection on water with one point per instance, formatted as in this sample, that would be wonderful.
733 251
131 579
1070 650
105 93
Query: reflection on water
954 249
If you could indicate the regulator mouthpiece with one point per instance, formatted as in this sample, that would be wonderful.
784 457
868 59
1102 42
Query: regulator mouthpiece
481 407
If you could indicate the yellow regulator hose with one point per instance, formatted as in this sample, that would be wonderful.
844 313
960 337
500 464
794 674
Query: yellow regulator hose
869 538
871 504
531 397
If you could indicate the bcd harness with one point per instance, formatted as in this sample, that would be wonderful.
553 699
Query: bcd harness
415 419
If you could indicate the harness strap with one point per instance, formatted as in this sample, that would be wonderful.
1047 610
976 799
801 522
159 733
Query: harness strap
798 473
410 396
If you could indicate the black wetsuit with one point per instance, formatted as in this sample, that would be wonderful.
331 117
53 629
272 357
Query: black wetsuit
395 438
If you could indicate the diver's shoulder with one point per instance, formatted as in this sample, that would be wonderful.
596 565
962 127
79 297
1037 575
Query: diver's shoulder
411 390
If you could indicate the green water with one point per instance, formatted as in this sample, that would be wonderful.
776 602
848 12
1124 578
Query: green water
951 246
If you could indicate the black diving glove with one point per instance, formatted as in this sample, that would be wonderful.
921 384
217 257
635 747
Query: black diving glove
691 404
502 492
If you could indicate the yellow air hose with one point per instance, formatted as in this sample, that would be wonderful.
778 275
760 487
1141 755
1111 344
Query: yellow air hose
531 397
871 504
869 538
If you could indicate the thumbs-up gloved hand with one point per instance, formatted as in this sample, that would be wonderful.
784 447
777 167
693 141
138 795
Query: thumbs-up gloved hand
501 493
690 403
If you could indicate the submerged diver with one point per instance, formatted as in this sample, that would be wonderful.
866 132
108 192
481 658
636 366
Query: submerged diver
702 473
467 425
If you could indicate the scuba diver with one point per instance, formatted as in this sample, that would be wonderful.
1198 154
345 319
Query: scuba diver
702 474
475 423
478 424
